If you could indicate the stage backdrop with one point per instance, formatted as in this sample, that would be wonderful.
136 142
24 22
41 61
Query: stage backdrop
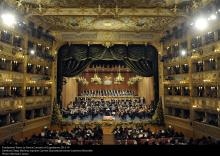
143 88
122 86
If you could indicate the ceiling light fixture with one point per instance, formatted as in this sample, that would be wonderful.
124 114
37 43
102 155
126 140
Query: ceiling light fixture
183 52
8 19
212 17
32 52
201 24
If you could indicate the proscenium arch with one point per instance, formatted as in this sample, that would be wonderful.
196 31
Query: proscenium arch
73 60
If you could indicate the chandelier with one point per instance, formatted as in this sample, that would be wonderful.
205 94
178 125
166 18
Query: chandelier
96 79
82 80
134 80
119 79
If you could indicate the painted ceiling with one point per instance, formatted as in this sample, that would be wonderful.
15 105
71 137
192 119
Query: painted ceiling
103 3
136 24
106 15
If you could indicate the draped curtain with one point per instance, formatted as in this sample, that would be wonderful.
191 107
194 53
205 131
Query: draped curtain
74 59
141 67
74 67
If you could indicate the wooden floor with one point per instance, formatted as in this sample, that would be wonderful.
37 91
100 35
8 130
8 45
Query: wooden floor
108 139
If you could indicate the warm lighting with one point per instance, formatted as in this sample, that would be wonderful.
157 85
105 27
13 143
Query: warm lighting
8 80
82 80
212 88
217 50
107 24
201 24
213 17
107 44
119 78
183 52
32 52
207 80
49 82
133 80
182 81
8 19
96 79
218 109
194 106
31 81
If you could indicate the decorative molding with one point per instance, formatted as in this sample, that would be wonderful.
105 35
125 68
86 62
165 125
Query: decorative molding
100 37
106 12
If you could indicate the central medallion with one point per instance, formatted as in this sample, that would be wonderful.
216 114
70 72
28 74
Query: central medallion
108 24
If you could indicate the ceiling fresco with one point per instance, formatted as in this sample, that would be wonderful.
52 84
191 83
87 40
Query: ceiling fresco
136 24
103 3
65 18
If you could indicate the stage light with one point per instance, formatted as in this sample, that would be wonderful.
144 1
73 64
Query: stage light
201 24
183 52
8 19
32 52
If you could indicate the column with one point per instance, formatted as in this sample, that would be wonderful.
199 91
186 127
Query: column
192 113
53 75
161 76
25 47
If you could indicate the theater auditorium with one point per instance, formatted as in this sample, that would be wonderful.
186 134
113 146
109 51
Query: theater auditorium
109 72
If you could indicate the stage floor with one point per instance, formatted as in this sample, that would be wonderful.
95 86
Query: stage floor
106 118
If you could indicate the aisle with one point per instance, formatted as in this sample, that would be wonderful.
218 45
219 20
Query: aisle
108 139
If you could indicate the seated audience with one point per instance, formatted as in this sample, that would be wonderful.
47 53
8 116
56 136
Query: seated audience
77 136
141 135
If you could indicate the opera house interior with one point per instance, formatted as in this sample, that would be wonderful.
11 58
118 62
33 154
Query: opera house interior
109 72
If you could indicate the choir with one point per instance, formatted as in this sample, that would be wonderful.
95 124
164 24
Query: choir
108 93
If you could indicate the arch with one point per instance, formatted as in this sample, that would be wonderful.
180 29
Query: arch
73 60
